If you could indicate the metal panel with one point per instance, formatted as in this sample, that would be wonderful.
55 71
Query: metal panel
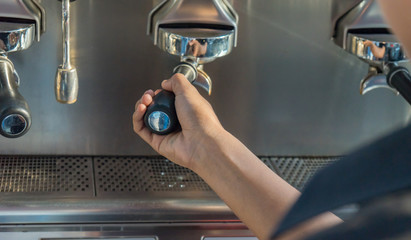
162 231
47 189
285 90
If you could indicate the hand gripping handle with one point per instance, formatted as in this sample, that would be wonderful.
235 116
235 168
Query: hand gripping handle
161 117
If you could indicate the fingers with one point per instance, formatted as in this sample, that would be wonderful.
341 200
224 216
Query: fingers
140 110
138 123
147 101
178 84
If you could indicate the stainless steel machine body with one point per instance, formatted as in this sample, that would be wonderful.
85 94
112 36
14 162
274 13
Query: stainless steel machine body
20 23
286 76
286 89
363 32
198 31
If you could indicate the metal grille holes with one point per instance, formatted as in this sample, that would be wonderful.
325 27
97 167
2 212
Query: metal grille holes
75 175
298 170
45 174
136 174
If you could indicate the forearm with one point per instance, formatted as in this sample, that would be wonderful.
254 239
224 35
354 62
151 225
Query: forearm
397 15
258 196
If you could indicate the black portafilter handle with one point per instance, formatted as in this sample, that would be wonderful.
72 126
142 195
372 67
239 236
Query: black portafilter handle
399 78
15 119
161 116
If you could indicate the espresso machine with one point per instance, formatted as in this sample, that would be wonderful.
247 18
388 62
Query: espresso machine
360 29
82 173
21 22
196 31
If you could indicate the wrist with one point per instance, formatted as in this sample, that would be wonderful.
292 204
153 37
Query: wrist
210 148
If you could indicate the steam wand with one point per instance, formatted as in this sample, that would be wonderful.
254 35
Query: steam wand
66 87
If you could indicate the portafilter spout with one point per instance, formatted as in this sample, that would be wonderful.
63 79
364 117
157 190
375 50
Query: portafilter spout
21 22
15 118
363 32
198 31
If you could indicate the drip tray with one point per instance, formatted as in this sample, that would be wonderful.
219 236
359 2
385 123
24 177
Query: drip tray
75 189
121 176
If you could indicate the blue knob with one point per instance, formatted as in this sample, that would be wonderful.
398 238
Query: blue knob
159 121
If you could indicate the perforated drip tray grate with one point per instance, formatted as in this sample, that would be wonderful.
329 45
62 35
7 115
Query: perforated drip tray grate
105 176
143 174
298 170
38 174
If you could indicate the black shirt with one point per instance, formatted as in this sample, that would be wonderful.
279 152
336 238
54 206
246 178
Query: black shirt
373 176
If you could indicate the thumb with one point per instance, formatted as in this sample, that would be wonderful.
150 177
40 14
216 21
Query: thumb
178 84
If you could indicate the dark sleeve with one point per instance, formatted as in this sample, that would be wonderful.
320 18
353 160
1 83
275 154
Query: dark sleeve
386 217
379 169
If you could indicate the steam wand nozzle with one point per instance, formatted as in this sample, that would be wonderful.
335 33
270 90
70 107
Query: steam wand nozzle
66 86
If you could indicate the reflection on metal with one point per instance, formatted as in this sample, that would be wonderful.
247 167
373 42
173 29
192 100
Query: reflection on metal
183 14
15 118
365 17
66 84
159 121
363 33
24 11
258 93
197 31
16 36
376 49
202 44
203 81
20 23
14 125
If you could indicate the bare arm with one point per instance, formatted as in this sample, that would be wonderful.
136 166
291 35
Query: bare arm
256 195
397 14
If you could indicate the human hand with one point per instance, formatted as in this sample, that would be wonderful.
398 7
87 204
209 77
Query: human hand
197 49
378 52
200 126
